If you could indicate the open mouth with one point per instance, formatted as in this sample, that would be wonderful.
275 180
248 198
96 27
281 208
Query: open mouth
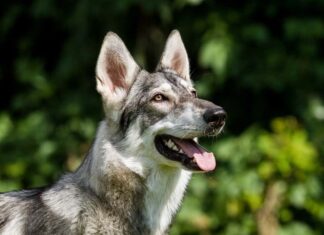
186 151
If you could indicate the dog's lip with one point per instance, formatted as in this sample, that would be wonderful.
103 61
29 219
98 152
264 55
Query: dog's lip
186 151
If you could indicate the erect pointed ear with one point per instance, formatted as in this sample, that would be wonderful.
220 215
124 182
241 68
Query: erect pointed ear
175 56
116 69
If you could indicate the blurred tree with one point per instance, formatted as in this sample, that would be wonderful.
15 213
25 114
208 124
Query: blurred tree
262 61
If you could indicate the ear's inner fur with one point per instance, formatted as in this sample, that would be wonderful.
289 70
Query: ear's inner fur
175 56
178 62
116 70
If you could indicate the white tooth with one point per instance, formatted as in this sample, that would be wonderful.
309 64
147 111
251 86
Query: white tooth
175 148
180 151
170 144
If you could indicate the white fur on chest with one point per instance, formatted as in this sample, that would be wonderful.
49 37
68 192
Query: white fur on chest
165 185
166 188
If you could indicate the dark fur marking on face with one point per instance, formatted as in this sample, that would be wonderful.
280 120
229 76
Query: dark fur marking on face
126 119
175 80
148 116
167 71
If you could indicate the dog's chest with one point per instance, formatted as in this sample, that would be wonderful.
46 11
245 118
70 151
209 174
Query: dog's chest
165 190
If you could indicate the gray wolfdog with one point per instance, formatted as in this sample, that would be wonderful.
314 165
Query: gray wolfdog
134 176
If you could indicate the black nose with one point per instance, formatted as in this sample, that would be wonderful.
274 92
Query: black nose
215 117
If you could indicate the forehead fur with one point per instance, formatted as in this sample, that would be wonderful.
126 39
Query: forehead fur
162 80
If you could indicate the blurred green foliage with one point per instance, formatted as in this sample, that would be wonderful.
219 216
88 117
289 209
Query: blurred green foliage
262 61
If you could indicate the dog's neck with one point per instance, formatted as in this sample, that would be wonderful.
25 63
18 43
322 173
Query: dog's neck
155 195
165 190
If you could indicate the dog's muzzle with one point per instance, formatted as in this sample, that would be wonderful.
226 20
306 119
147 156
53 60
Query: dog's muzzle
188 152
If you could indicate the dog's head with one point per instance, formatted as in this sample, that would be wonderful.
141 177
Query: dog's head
155 117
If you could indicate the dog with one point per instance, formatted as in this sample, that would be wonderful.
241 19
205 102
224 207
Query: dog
135 174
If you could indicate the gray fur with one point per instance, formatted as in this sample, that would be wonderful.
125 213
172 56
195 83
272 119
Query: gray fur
123 186
114 210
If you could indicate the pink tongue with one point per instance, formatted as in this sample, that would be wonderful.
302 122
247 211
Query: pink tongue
205 161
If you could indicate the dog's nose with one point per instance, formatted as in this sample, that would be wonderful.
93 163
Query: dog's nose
215 117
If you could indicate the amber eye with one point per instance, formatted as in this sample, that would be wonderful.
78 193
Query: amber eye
159 98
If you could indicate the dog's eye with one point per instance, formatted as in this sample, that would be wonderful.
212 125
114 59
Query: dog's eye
159 98
194 93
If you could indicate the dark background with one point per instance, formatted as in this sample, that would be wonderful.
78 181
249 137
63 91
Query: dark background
261 60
